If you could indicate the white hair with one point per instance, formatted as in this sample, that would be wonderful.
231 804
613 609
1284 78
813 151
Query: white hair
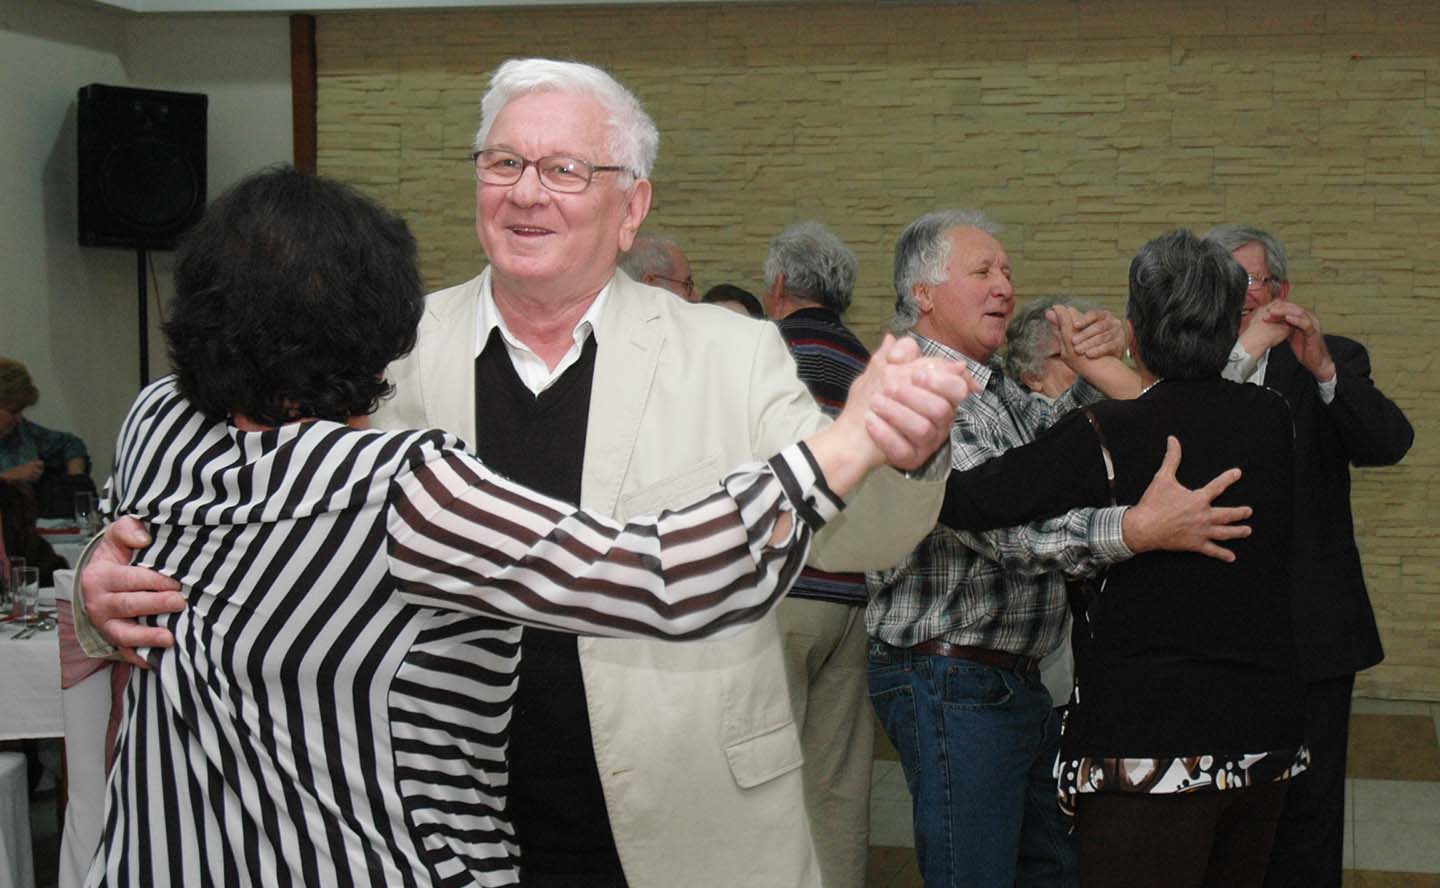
634 140
921 254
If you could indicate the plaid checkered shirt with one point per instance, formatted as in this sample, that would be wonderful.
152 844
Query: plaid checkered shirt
1001 589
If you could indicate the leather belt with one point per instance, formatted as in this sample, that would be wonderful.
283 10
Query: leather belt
984 656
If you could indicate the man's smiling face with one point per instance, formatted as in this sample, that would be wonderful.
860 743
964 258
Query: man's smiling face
547 244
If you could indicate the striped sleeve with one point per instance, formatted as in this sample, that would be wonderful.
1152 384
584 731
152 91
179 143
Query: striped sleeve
463 538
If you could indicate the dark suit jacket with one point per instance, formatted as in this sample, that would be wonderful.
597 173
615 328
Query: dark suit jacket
1181 654
1335 630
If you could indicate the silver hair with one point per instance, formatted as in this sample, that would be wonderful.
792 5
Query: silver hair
650 254
921 254
1233 237
817 266
634 140
1028 336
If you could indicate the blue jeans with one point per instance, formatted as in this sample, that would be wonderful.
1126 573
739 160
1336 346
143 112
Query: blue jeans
978 746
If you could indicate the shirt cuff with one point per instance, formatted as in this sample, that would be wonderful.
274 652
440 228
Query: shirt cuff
1107 535
91 641
1241 365
804 485
1327 389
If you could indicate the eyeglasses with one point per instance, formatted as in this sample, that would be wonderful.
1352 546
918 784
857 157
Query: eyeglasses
687 283
567 175
1254 283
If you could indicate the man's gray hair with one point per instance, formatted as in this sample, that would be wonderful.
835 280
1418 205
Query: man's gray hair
650 254
1029 334
1233 237
921 254
634 140
817 266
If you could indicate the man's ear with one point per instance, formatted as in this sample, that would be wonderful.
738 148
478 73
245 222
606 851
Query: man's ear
924 298
1032 382
637 207
1284 292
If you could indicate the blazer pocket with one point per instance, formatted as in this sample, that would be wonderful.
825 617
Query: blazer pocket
673 491
765 756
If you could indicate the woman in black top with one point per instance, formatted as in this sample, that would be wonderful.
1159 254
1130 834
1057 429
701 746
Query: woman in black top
1187 712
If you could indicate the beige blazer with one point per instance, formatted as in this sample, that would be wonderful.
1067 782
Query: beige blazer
696 744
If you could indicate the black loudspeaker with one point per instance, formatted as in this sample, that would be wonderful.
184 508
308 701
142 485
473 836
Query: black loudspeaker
142 165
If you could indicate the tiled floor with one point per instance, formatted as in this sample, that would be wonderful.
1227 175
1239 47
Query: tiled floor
1393 800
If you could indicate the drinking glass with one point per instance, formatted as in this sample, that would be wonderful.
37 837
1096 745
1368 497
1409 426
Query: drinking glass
25 584
9 606
85 512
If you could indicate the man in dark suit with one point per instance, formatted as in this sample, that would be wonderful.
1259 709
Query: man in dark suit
1341 419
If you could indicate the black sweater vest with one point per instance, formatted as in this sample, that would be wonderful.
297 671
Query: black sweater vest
555 799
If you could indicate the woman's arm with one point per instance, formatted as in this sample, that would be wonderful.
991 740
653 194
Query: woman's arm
464 538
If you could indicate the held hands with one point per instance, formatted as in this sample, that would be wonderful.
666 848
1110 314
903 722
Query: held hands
116 593
899 412
1094 334
1282 321
1173 517
1098 362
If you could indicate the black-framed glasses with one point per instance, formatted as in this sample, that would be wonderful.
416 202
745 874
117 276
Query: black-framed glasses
687 283
558 172
1254 283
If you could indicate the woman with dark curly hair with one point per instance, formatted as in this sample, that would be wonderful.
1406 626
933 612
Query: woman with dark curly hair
335 707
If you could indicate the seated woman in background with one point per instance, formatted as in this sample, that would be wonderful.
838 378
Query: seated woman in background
335 707
1186 719
1032 347
28 450
54 465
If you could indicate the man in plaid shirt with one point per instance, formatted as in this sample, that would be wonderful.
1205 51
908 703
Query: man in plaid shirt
957 630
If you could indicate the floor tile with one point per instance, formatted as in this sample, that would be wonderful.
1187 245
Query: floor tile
1373 706
1399 801
887 783
1373 879
1390 846
891 825
1393 747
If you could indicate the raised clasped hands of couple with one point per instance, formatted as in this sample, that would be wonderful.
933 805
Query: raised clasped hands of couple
901 408
1086 335
1284 321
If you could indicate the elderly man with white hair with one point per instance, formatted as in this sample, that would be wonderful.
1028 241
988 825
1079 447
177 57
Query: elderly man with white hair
631 763
659 262
809 282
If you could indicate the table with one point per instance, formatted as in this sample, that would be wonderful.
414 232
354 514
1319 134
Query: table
30 682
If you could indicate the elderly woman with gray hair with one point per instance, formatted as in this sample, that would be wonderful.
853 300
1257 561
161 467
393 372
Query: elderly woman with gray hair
1187 716
1033 356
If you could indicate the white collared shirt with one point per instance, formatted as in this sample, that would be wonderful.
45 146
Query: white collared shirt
530 367
1239 370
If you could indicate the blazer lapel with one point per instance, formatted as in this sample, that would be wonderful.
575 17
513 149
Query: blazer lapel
630 338
447 368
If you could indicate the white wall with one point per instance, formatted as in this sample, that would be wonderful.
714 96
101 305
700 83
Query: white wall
70 312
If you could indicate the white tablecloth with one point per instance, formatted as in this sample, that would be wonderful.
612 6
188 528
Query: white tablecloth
30 683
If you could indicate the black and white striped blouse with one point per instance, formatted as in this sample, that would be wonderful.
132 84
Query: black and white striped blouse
336 706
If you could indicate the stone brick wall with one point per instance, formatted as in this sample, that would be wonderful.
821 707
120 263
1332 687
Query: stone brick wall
1086 127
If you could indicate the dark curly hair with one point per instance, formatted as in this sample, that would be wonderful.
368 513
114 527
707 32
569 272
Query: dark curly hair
292 295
